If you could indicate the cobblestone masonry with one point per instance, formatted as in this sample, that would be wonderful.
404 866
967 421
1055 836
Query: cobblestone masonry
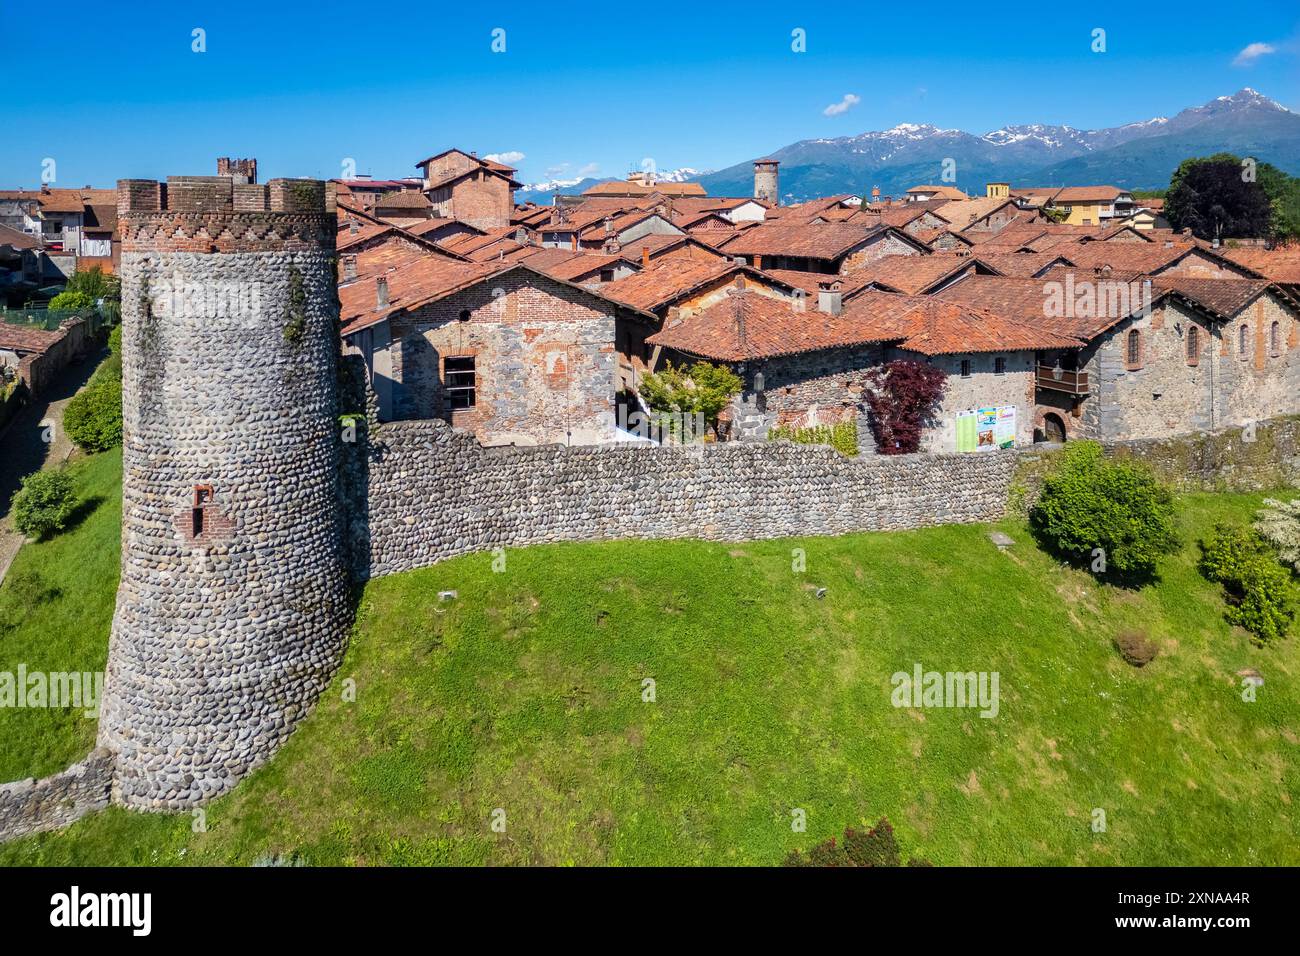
232 616
33 806
434 494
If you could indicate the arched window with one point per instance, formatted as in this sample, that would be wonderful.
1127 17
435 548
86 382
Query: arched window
1275 338
1134 355
1243 340
1193 345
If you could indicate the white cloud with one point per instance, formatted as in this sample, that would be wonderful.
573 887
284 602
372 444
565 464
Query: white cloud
511 156
1252 52
843 106
553 172
591 169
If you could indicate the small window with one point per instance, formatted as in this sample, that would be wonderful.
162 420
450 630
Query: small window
1134 355
965 368
1243 340
1000 365
464 315
1275 338
606 275
1193 345
459 381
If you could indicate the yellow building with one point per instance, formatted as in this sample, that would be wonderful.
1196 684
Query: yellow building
997 191
1092 205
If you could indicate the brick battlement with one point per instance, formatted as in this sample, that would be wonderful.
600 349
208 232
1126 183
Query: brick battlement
209 214
220 194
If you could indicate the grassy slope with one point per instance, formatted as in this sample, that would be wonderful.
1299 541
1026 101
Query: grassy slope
56 607
525 694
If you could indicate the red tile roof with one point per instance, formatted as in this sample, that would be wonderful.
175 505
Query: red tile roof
822 241
914 275
932 326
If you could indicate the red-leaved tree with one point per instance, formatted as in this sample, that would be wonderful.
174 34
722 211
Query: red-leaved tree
902 399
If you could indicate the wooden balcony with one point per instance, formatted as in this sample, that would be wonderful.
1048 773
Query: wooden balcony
1062 380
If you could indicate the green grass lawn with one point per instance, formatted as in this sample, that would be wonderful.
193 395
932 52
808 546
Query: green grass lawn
56 608
526 694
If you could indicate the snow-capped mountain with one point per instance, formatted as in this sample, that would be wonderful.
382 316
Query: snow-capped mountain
542 192
1134 155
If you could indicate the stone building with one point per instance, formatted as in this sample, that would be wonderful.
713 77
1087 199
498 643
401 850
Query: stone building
507 352
232 608
805 365
1156 357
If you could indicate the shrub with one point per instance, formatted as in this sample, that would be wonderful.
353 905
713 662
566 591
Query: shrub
704 388
902 399
96 284
1259 591
1112 516
874 847
843 437
44 503
1136 648
93 419
1279 525
72 301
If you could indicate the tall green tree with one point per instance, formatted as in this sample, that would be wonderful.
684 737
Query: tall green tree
1225 197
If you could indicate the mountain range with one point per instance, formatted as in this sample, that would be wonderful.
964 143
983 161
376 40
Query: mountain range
1139 155
543 191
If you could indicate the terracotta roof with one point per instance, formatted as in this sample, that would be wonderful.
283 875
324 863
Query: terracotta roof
964 212
824 241
419 283
933 326
930 236
914 275
1133 256
1222 297
17 238
666 281
810 282
407 199
624 188
747 326
27 338
1280 265
947 192
577 266
1019 264
436 223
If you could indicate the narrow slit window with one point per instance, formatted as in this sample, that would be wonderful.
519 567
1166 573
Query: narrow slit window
1193 344
1134 348
1275 338
965 368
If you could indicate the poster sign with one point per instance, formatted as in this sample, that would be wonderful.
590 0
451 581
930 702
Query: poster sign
986 429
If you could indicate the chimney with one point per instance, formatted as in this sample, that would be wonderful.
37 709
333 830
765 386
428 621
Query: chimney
381 292
609 225
352 227
521 236
800 300
349 268
645 257
766 181
674 315
829 297
875 194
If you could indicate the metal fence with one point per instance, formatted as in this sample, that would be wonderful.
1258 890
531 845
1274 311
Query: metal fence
50 319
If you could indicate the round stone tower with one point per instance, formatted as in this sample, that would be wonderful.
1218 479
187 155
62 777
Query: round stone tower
232 611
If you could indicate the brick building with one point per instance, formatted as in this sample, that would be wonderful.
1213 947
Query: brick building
461 186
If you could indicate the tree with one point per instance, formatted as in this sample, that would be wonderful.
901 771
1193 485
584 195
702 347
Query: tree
93 418
44 503
1260 594
704 389
72 301
95 283
1219 197
903 397
1111 516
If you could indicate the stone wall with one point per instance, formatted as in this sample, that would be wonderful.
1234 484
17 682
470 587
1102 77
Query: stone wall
34 806
434 494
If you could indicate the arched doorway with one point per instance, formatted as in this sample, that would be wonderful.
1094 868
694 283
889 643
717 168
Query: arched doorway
1053 428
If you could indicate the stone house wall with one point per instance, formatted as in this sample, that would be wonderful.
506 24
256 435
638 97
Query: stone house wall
984 388
545 363
34 806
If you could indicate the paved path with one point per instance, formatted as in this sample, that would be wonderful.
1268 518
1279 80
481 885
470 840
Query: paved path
24 449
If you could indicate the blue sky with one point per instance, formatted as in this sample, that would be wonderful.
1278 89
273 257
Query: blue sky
595 87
